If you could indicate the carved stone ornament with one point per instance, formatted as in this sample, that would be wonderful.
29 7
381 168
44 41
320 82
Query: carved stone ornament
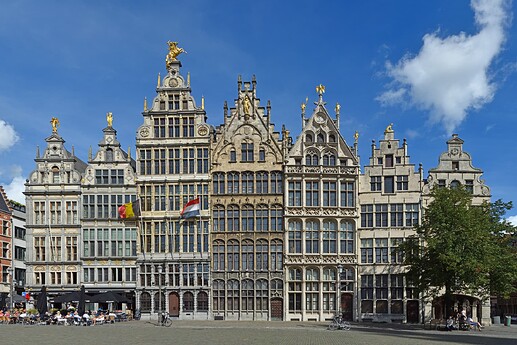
144 132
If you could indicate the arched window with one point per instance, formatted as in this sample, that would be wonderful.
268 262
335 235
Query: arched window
276 249
262 182
312 278
159 302
218 255
233 183
55 174
145 302
262 249
276 222
295 236
247 218
109 155
247 255
312 160
219 218
332 138
320 138
312 237
329 236
262 295
276 182
233 295
455 184
329 288
247 295
233 218
218 296
233 255
188 301
262 217
247 182
347 278
308 138
295 290
233 156
346 237
219 183
329 159
202 301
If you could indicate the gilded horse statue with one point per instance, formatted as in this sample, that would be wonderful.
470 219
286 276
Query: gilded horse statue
174 51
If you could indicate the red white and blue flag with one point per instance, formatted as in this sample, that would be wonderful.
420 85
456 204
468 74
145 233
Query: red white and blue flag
191 209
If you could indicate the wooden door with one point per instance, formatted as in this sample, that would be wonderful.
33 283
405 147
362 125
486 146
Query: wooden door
174 303
412 311
347 306
277 309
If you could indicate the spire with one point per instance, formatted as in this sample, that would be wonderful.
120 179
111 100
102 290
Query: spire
129 153
37 152
145 103
203 102
158 84
188 79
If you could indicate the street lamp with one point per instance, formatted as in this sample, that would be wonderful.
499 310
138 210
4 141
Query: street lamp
160 269
339 271
10 272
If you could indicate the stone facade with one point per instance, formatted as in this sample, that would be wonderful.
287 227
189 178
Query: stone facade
321 181
6 259
173 165
247 206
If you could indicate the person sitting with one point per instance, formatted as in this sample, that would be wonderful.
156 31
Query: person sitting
474 324
450 324
99 319
86 319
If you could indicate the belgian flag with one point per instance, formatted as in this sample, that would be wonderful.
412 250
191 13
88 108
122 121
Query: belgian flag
130 210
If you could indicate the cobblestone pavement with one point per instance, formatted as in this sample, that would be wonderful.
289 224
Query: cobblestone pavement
244 332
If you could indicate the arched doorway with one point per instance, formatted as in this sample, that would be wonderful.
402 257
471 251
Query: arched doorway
174 303
347 306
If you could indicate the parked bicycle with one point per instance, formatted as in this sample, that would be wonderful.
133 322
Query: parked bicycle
165 320
339 323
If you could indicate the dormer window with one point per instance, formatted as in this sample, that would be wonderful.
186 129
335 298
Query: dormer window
109 155
55 174
389 161
455 165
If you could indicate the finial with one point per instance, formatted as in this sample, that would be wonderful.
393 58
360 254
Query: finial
37 151
109 119
174 51
145 103
55 124
304 105
337 108
203 102
158 84
188 79
320 89
129 153
90 153
356 136
73 151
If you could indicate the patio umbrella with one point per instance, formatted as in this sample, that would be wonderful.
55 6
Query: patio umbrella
109 296
18 299
82 301
68 297
42 301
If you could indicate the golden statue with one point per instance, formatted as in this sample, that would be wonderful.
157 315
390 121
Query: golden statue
337 108
55 124
109 118
246 105
174 51
304 105
356 136
389 129
320 89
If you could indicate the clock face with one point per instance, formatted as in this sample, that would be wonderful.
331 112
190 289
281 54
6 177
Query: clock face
173 82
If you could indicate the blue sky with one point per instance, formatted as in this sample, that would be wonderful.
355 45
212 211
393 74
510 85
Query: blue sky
432 68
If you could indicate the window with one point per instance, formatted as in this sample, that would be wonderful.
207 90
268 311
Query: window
247 152
312 193
277 249
381 215
218 255
312 237
308 138
295 290
367 216
262 218
262 299
312 289
262 250
397 215
375 183
381 293
320 138
233 295
329 289
388 184
329 160
295 236
174 127
159 127
397 256
39 248
379 160
295 194
276 182
441 183
367 293
455 165
412 214
329 236
188 127
329 194
346 238
202 161
381 250
233 156
262 155
233 183
145 162
202 301
367 251
247 255
188 161
455 184
312 160
218 183
233 216
262 182
402 182
389 161
398 159
277 218
55 175
233 255
19 233
218 295
347 278
347 194
247 183
469 186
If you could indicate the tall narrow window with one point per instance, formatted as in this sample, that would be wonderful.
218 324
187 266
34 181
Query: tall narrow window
247 152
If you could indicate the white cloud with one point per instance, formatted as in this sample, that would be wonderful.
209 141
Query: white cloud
15 188
449 76
513 220
8 135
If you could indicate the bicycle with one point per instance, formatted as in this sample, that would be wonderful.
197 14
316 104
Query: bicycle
339 323
165 320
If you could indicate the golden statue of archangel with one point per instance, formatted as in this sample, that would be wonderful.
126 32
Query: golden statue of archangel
174 51
389 129
320 89
55 124
109 118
